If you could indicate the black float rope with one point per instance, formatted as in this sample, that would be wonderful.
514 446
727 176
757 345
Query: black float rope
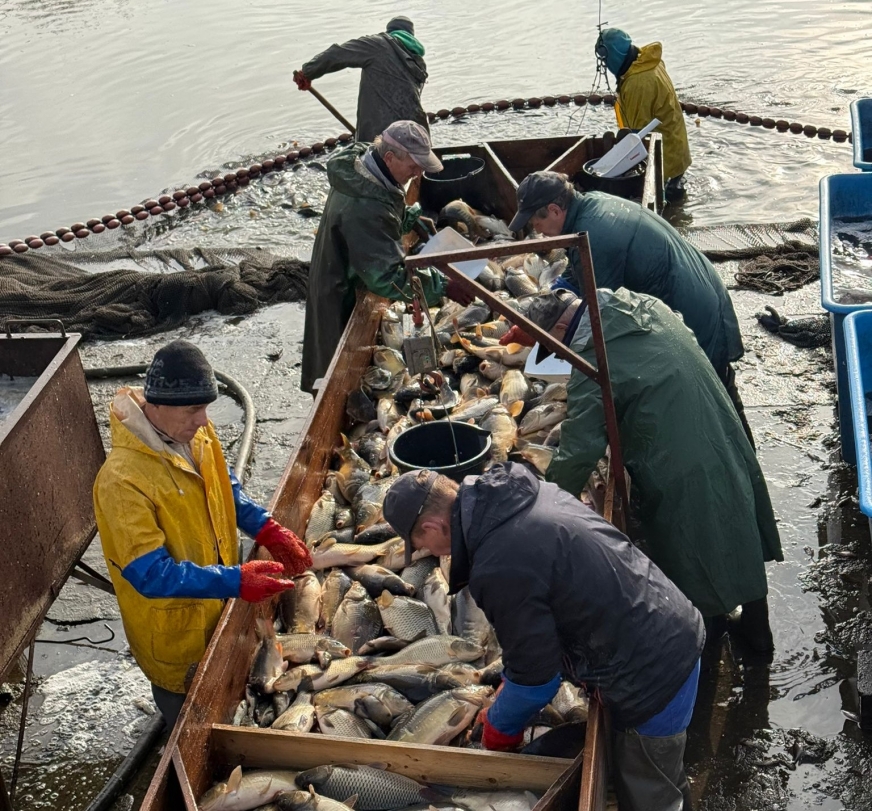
231 181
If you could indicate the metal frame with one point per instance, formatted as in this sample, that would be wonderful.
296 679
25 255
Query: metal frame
599 373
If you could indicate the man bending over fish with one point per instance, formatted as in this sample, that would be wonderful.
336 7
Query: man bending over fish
704 507
569 598
359 241
168 508
634 248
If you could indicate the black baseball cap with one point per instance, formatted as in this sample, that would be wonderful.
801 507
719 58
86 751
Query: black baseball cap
404 502
536 190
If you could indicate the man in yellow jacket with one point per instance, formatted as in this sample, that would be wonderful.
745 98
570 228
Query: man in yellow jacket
645 92
168 509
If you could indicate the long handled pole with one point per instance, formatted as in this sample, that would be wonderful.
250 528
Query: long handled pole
339 117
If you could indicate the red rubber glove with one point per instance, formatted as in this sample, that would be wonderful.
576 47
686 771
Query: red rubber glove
302 82
285 547
496 741
517 336
255 583
458 292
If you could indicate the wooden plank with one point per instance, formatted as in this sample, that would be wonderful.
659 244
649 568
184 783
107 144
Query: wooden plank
450 765
574 158
492 250
594 771
182 776
503 185
563 795
526 155
220 680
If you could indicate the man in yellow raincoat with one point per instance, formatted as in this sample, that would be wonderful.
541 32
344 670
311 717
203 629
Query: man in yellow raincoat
645 92
167 510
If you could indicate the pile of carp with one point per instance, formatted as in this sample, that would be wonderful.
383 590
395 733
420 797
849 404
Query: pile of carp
364 646
341 787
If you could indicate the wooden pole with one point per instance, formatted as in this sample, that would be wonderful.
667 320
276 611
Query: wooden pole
341 118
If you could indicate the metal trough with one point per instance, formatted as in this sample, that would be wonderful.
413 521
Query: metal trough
50 452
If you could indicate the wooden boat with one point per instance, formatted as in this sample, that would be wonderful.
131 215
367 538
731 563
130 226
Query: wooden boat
203 747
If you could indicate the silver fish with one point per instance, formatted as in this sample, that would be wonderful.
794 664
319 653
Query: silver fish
540 456
570 702
493 277
359 406
444 716
388 359
376 579
376 534
377 379
554 393
519 284
341 723
542 417
321 517
377 702
512 355
492 370
307 604
299 717
435 593
405 617
299 649
392 330
552 273
388 415
250 790
503 430
494 800
328 553
417 572
357 619
353 473
376 789
268 664
415 682
394 556
382 644
312 679
333 591
469 621
306 801
514 391
372 448
343 517
475 410
436 650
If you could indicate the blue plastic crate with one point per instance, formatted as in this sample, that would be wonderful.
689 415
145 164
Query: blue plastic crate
841 196
861 133
858 346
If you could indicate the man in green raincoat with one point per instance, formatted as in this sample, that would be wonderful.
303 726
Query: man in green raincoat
359 240
634 248
704 508
645 92
392 77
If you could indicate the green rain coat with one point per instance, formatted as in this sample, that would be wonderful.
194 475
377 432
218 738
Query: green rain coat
634 248
704 508
645 92
358 246
391 81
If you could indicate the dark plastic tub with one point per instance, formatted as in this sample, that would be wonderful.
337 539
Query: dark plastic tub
462 177
622 186
429 447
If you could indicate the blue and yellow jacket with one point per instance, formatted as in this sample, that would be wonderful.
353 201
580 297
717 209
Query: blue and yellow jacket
169 535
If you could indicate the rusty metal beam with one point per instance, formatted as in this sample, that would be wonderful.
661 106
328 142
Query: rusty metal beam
599 374
491 251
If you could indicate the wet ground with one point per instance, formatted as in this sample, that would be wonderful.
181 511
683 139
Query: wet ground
765 735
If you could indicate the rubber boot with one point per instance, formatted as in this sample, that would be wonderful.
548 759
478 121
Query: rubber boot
752 626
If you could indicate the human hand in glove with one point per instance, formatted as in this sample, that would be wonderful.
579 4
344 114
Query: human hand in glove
496 741
302 82
255 583
459 292
285 547
517 336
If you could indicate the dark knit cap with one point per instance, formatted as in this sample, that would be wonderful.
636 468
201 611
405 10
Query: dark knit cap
401 24
180 375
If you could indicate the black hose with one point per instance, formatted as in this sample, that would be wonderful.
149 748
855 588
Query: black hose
234 388
141 750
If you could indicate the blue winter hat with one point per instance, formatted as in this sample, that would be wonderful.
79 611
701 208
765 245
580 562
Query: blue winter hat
617 44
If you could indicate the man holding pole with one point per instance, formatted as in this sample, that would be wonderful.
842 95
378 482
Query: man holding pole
393 73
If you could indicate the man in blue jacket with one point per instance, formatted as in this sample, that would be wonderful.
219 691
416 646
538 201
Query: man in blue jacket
634 248
569 597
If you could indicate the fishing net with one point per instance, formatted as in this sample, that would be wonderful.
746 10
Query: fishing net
749 240
125 293
786 269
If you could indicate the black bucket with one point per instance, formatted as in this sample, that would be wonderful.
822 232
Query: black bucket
429 446
462 176
627 185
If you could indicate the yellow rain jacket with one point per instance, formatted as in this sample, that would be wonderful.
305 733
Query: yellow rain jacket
645 92
146 497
